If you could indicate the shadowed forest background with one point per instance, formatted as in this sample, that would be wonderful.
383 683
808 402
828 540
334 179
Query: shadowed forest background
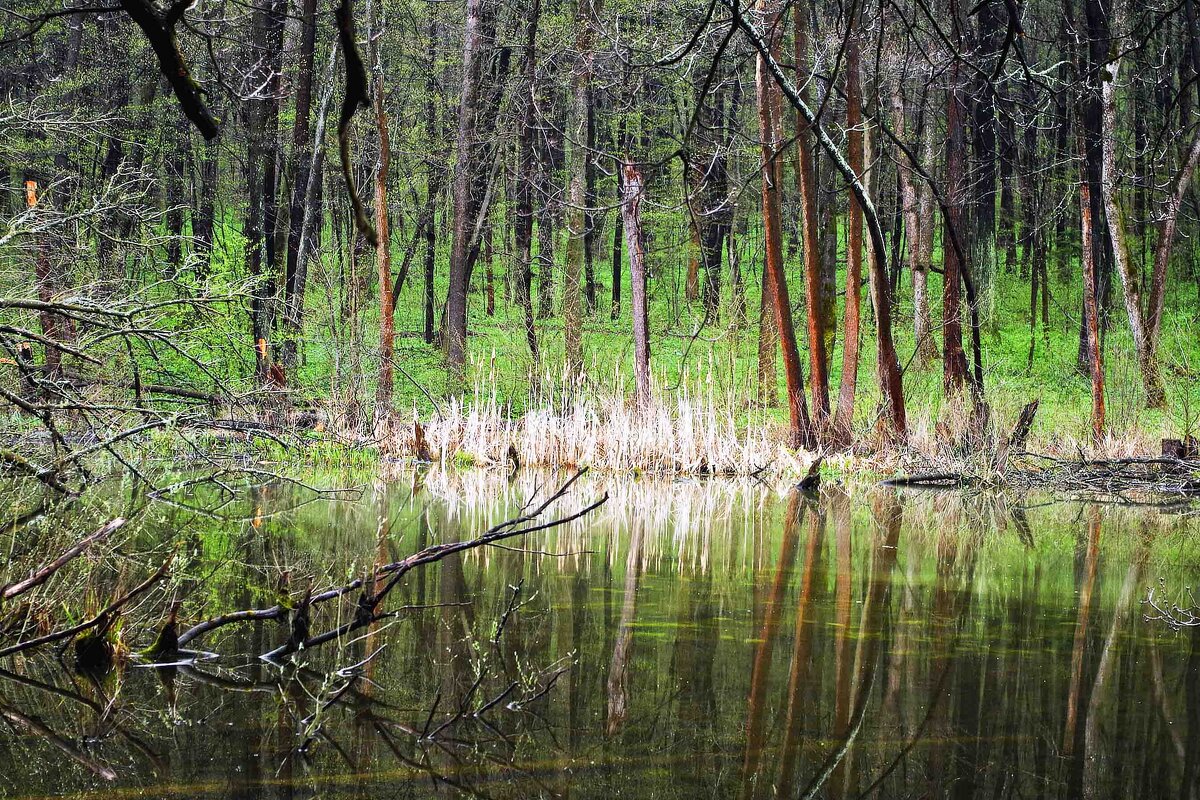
873 223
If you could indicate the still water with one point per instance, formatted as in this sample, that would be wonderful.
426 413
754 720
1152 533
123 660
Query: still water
688 639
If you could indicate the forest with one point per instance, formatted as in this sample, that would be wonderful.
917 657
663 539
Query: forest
842 222
546 398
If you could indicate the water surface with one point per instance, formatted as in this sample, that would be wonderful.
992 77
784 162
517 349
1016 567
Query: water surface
689 639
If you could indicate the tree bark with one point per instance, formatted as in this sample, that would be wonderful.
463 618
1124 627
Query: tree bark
586 14
954 361
526 169
844 418
914 234
300 165
631 201
474 46
923 317
806 184
1091 306
1152 382
55 328
615 310
1166 237
383 257
769 117
307 227
262 174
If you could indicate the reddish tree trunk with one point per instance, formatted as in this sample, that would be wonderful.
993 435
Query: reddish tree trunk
769 114
854 250
806 182
954 362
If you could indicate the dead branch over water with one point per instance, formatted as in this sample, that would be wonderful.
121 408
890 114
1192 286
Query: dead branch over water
369 607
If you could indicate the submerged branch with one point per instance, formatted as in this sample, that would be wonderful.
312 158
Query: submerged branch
43 574
103 616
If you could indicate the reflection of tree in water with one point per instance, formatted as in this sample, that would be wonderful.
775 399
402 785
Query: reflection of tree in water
619 671
950 643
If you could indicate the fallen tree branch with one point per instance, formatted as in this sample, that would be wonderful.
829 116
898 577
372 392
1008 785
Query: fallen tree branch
43 574
100 617
368 605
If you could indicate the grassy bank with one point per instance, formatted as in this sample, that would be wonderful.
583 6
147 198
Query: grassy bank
710 411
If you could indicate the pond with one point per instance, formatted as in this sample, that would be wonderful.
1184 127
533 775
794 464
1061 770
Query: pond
687 639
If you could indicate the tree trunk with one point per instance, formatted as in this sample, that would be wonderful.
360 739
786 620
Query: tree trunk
545 222
710 208
176 163
691 284
631 202
55 328
203 221
299 167
806 184
954 361
844 418
982 171
769 114
914 234
615 312
474 45
587 12
434 180
1091 307
383 257
922 316
526 168
307 227
768 339
1166 237
1130 280
589 218
262 173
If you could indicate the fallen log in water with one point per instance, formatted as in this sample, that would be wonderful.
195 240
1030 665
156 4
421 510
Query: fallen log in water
1175 474
102 620
1129 479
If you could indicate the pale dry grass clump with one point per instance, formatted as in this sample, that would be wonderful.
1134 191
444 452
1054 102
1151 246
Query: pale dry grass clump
679 433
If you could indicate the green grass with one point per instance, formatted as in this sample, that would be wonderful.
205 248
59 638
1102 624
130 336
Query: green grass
721 357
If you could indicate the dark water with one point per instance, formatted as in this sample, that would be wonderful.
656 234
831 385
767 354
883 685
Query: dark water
687 640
